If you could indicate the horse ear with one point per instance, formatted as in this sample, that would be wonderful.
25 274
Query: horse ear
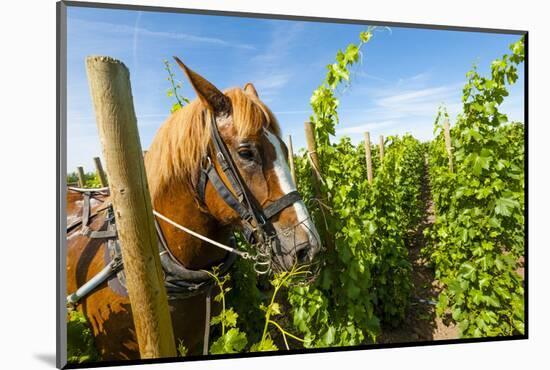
250 89
208 94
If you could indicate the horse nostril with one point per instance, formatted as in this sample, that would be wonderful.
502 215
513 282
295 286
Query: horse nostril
302 255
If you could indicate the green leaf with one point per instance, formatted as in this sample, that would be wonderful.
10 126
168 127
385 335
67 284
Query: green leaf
216 319
365 36
492 301
480 162
463 325
230 318
266 345
233 341
457 314
300 319
275 308
175 107
505 206
467 270
328 337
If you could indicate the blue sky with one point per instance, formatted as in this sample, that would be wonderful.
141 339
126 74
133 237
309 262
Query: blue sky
404 76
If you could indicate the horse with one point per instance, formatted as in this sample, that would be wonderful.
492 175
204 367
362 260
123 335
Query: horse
191 183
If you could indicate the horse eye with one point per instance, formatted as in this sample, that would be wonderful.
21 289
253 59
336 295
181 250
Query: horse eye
246 154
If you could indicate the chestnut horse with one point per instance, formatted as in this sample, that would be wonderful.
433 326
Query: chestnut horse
174 163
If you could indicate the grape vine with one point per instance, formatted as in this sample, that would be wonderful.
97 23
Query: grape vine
479 230
366 225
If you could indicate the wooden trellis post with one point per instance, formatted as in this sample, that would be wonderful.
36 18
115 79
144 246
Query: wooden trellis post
447 135
317 178
291 159
116 121
100 173
81 177
368 157
312 153
381 148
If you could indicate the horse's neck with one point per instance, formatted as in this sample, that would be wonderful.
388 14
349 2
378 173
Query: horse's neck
179 205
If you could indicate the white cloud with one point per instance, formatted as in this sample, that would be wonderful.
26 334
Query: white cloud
408 105
135 31
362 127
270 68
359 73
417 96
273 81
417 79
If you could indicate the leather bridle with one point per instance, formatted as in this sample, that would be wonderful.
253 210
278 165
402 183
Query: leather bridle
256 221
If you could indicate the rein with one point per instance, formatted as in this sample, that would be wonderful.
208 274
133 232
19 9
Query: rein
244 255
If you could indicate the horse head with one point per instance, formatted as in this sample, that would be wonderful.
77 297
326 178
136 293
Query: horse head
249 134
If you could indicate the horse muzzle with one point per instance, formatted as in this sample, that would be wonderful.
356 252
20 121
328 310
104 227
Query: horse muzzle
297 245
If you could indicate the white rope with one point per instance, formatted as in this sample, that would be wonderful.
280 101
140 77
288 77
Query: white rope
201 237
93 190
176 225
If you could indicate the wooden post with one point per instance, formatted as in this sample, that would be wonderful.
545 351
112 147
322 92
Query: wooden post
381 148
368 157
99 172
447 134
81 177
316 168
116 121
312 153
291 159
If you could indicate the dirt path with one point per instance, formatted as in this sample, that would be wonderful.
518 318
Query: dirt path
421 322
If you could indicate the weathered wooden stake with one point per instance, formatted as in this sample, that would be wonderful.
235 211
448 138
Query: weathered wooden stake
291 159
100 173
116 121
447 134
317 179
368 157
381 148
312 152
81 177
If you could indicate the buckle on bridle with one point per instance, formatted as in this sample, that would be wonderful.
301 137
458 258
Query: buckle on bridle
208 163
222 160
262 220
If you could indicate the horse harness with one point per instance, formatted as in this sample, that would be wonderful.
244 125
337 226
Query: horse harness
179 281
258 229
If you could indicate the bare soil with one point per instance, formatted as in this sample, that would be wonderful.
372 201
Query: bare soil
421 323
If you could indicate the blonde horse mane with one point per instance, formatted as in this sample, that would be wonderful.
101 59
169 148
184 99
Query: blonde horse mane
183 140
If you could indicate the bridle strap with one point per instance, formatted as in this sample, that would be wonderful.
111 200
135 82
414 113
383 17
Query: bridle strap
228 166
282 203
260 229
239 199
212 175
